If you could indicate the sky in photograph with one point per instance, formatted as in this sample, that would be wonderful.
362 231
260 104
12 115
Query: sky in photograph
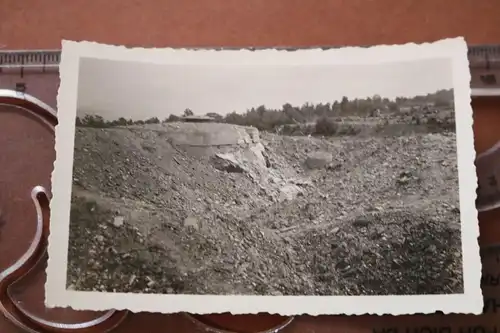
136 90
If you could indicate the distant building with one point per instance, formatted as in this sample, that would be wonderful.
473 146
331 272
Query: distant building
197 119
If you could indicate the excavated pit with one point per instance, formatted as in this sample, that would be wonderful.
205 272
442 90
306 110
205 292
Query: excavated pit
208 208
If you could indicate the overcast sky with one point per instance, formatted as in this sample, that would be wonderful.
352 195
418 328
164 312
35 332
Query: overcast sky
136 90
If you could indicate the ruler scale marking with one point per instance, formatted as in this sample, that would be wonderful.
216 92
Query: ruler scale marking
477 54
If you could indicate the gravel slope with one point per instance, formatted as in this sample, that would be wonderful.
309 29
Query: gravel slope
149 216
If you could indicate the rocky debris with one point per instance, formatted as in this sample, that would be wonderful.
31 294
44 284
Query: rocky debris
289 192
369 256
227 162
385 222
118 221
406 177
318 160
192 222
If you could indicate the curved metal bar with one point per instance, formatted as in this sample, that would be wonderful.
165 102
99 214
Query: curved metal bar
37 239
37 249
14 272
211 329
39 242
28 102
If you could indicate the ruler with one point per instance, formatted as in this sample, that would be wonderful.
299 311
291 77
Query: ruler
36 72
484 63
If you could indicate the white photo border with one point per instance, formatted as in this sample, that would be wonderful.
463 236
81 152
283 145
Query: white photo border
56 295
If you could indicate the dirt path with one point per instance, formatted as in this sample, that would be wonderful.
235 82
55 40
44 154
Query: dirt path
410 204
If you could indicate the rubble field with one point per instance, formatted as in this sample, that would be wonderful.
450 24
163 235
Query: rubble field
208 208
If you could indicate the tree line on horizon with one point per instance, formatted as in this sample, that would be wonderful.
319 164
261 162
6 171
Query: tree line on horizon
267 119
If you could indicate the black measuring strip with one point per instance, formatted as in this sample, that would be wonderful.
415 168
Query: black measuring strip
30 58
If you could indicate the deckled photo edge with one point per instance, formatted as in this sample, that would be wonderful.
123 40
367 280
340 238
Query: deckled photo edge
63 165
56 294
345 55
466 156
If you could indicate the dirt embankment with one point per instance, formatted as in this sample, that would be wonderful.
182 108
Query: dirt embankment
157 211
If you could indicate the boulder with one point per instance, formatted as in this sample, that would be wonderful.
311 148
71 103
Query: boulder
318 160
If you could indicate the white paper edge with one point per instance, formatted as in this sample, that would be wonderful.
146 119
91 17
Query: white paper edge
485 92
57 296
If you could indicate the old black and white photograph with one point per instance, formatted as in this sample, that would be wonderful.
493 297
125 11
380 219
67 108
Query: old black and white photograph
248 179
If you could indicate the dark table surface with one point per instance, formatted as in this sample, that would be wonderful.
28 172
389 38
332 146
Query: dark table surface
27 147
